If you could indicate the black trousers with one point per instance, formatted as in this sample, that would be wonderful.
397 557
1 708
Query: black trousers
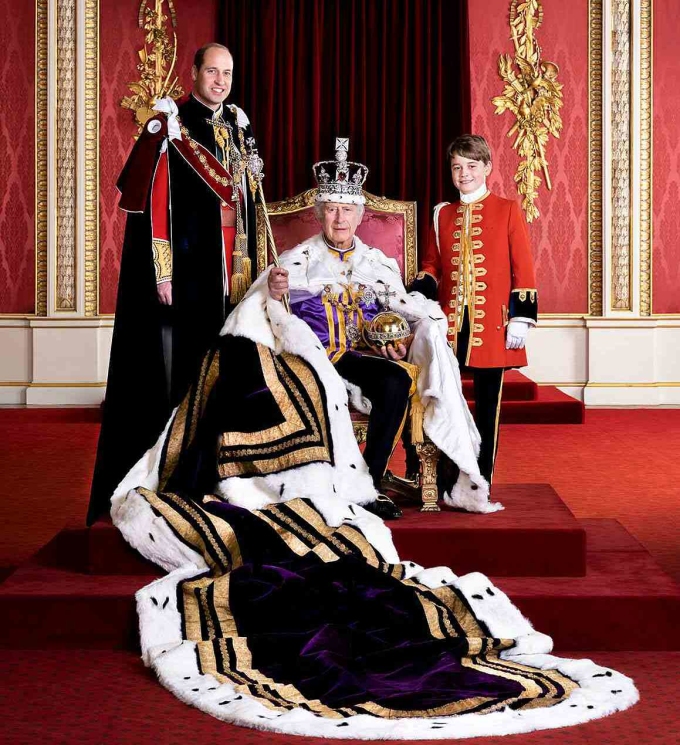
488 388
386 385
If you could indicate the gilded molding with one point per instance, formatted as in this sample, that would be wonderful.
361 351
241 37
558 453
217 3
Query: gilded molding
66 155
157 60
41 42
379 204
595 161
91 151
534 97
621 253
646 157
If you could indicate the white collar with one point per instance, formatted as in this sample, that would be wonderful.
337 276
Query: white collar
476 195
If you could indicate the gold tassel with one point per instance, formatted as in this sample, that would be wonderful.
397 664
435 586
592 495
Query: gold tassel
239 286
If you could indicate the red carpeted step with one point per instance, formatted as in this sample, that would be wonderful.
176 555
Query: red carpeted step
516 387
50 607
550 406
536 534
625 602
49 414
109 553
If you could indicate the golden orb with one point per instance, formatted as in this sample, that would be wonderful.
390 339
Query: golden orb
386 328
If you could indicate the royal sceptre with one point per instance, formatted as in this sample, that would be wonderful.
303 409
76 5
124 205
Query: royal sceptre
255 176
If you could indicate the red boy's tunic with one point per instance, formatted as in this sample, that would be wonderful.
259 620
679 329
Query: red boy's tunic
479 253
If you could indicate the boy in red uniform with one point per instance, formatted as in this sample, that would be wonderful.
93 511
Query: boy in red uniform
478 263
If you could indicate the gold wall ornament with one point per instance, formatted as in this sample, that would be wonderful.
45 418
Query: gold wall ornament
621 161
90 145
41 177
646 114
595 161
157 60
67 167
534 96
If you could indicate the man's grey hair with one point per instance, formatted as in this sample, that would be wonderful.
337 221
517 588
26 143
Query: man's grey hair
319 208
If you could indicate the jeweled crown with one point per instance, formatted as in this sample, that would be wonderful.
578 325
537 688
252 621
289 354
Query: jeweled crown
340 180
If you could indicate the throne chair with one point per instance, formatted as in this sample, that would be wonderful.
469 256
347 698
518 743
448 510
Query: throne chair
390 225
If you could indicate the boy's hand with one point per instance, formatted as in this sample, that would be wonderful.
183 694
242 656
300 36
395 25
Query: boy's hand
516 336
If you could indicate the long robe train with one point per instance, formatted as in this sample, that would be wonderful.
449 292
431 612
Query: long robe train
296 615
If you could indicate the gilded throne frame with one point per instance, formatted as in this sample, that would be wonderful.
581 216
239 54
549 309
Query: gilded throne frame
426 481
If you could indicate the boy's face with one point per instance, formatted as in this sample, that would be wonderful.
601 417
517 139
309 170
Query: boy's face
468 175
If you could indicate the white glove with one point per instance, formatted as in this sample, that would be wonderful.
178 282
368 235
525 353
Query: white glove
168 107
516 336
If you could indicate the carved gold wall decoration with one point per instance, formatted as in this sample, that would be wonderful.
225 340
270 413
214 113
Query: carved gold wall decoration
534 96
91 151
595 83
66 156
41 159
645 157
620 131
157 60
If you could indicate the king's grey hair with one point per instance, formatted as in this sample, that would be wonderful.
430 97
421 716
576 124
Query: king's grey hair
320 206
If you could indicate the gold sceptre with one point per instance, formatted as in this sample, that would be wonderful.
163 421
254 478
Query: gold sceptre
255 164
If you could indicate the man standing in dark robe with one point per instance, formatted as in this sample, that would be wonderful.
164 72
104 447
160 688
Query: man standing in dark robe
188 258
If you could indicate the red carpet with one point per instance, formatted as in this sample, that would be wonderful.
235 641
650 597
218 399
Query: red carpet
93 697
619 464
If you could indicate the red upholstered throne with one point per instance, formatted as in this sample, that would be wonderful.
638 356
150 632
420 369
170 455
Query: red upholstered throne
387 224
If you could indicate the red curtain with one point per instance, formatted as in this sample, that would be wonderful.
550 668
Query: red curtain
391 75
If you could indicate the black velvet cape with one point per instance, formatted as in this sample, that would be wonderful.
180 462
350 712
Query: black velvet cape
136 387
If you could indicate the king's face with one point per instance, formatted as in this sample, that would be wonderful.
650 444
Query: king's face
212 83
340 222
468 175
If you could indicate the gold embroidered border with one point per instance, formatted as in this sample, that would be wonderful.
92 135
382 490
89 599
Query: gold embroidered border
252 459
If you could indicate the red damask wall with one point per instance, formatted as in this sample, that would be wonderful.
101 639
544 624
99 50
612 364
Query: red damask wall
559 235
120 39
666 154
17 156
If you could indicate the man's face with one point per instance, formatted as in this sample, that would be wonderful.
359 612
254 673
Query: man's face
340 222
212 83
468 175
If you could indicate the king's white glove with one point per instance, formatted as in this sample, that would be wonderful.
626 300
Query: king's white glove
516 336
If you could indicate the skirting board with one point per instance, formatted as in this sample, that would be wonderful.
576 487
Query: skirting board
604 361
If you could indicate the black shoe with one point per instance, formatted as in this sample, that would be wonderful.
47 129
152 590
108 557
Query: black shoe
384 508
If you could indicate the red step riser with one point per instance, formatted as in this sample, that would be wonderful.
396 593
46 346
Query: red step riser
536 535
616 624
510 554
574 623
512 391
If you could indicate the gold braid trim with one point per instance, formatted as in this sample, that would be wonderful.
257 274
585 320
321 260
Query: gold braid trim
162 259
532 292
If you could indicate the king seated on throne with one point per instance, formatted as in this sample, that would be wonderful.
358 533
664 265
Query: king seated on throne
338 285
